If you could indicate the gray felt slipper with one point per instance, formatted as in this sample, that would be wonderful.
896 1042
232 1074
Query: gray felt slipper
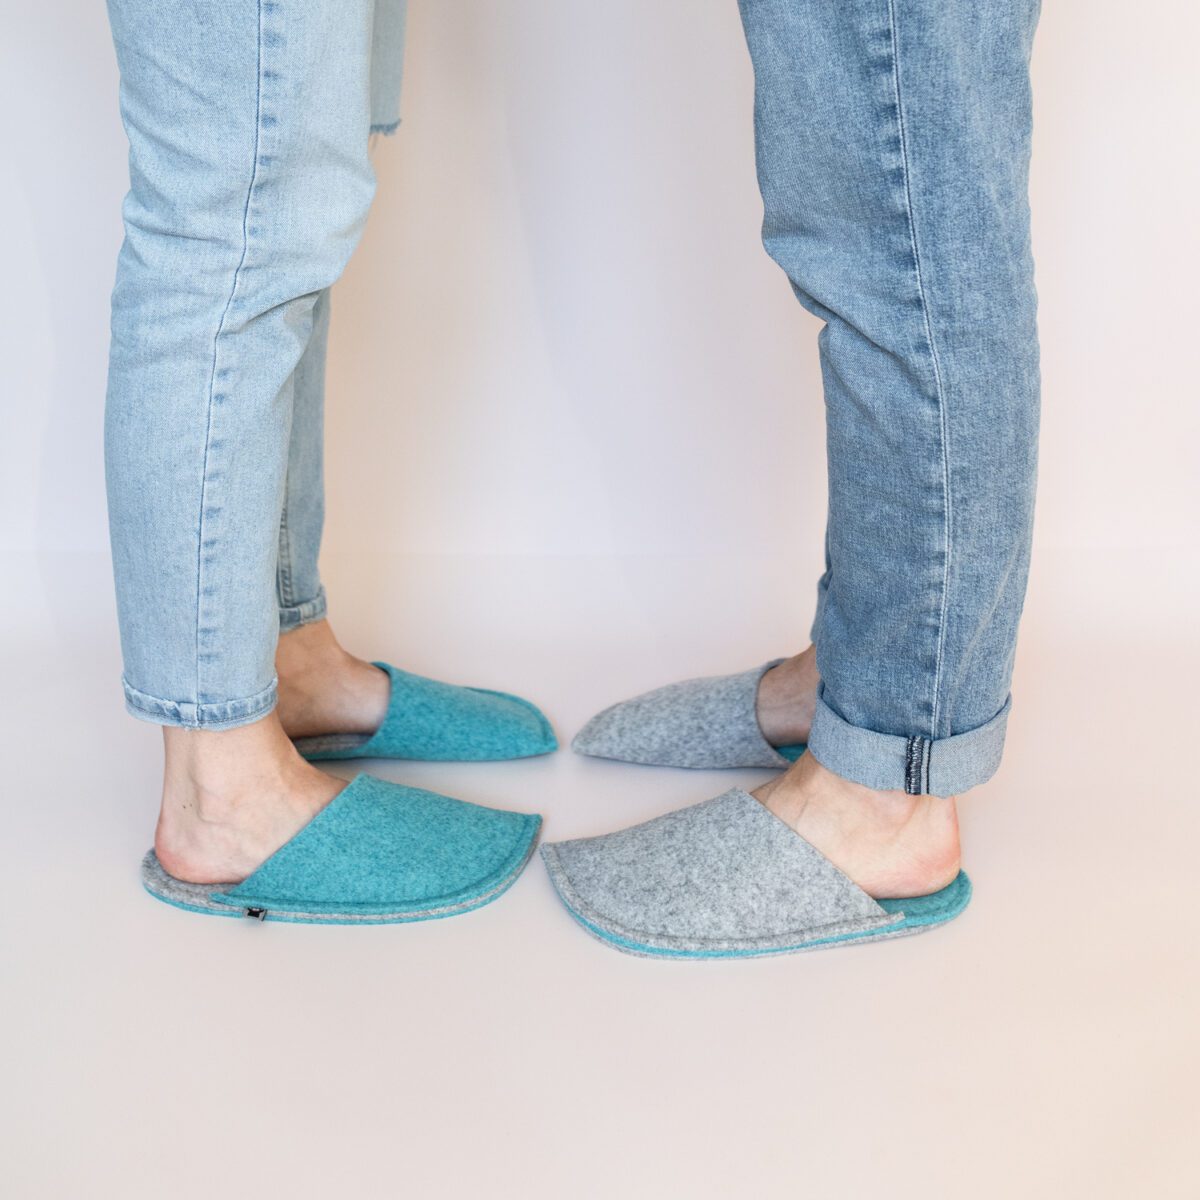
707 723
727 879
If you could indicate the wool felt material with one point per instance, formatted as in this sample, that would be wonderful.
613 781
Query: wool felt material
707 723
726 879
378 853
442 722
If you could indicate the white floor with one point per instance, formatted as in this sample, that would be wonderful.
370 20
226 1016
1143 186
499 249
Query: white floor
1047 1044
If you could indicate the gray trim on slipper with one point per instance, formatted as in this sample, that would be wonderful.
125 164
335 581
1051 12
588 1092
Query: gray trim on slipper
703 723
377 852
197 897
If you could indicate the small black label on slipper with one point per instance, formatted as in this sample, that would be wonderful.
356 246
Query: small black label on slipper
259 914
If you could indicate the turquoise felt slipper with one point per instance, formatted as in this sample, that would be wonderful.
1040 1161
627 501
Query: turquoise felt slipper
727 879
707 723
378 853
442 722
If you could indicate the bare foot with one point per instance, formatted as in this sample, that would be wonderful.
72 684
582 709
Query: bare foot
787 699
323 689
232 797
891 844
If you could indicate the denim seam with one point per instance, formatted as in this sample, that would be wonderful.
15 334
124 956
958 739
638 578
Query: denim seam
937 373
212 383
917 751
283 573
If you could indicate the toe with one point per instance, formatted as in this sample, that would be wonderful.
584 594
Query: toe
654 728
701 723
508 726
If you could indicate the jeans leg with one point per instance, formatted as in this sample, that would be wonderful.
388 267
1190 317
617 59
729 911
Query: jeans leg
387 64
301 596
298 588
892 144
249 187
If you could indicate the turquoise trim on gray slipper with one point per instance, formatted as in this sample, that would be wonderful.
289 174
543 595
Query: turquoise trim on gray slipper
706 723
378 853
442 722
727 879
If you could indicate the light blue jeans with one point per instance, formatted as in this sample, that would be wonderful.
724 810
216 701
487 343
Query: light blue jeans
893 147
250 182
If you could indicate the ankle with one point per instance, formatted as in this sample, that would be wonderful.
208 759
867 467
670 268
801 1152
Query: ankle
310 650
208 772
324 689
809 784
232 798
890 843
787 699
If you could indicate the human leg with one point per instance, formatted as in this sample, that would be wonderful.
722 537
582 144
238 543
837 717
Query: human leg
250 184
892 145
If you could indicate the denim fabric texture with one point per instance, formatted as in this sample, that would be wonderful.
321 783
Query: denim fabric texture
250 182
893 141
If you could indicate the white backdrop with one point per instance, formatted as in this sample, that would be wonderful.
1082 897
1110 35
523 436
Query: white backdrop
576 450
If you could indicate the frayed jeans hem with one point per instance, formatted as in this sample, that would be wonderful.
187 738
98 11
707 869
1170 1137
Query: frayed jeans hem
226 714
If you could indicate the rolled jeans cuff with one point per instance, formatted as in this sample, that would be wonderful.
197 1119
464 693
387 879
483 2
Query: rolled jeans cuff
916 765
225 714
292 616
